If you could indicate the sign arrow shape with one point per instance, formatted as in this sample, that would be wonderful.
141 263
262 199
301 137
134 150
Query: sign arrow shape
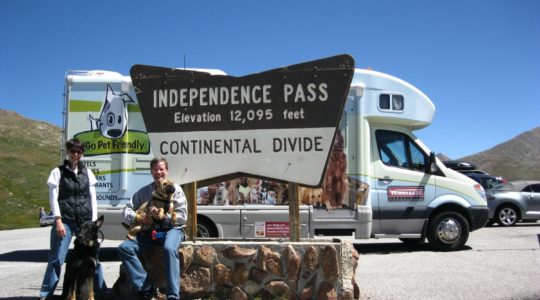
278 124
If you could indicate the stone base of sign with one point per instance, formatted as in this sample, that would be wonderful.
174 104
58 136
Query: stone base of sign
257 269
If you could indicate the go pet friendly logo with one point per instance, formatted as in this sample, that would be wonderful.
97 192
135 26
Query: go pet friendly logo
109 132
114 115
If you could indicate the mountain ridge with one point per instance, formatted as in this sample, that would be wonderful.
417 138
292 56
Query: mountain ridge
514 159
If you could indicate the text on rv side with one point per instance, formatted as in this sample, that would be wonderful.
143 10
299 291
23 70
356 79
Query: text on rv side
118 144
102 180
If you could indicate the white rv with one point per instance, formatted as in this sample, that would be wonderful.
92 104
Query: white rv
381 181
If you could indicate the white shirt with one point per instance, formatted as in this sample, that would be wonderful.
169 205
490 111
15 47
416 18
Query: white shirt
54 181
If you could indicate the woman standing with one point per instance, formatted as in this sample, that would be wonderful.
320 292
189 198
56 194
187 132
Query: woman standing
72 196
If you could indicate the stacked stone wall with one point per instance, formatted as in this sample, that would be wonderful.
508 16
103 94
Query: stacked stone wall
262 270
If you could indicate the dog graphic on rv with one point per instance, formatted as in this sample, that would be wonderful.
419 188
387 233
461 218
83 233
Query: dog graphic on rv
114 116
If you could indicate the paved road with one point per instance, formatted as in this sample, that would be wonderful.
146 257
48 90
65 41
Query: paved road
23 257
498 263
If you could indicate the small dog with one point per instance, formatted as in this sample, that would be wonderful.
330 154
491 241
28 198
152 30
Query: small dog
82 262
254 195
282 194
232 190
222 195
243 191
270 198
311 196
162 200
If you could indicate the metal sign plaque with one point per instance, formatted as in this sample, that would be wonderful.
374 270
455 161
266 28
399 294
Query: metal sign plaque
276 124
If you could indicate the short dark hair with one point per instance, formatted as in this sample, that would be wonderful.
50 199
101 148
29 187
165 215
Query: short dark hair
74 144
156 160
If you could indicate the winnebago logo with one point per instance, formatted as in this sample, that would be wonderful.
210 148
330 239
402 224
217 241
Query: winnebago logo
405 193
109 133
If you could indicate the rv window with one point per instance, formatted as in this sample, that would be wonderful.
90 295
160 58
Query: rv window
418 158
391 148
397 149
397 103
384 101
242 191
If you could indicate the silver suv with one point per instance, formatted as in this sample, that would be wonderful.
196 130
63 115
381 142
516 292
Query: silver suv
514 201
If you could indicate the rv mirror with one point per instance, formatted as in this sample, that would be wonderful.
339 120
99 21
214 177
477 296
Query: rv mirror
433 163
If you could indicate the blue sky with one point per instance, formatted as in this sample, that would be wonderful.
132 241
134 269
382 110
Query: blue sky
479 61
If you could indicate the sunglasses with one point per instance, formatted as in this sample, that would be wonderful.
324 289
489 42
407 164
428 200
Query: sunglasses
76 151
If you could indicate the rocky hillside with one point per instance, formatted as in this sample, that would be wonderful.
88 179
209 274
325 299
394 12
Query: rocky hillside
28 151
518 158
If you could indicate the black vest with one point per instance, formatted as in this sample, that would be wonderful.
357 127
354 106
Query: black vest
74 194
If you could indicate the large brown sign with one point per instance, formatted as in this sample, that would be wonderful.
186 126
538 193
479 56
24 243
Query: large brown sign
277 124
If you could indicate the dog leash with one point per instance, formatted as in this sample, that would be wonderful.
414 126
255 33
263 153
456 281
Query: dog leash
102 235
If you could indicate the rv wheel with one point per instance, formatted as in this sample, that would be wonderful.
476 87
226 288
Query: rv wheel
206 228
448 231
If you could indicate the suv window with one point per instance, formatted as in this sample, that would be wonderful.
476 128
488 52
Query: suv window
535 188
490 183
398 150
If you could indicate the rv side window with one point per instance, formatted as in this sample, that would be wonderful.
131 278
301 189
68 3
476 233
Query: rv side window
397 102
384 101
398 150
241 191
391 102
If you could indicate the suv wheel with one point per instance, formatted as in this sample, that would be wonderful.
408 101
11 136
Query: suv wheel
507 215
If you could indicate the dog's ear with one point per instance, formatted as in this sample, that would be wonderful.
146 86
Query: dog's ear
99 221
170 189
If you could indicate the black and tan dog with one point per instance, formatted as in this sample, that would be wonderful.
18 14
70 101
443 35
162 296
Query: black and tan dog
82 262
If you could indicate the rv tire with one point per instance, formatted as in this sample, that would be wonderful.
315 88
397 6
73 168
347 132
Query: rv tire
448 231
205 228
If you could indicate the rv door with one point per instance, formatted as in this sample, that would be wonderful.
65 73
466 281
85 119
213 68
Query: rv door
402 185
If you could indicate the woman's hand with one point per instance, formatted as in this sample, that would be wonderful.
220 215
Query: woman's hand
60 229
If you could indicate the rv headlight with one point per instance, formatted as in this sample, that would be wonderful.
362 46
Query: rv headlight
480 190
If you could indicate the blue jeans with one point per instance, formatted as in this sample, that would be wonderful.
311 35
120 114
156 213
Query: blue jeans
129 249
57 256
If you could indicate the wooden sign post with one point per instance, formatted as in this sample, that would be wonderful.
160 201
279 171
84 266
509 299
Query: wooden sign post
294 212
190 190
